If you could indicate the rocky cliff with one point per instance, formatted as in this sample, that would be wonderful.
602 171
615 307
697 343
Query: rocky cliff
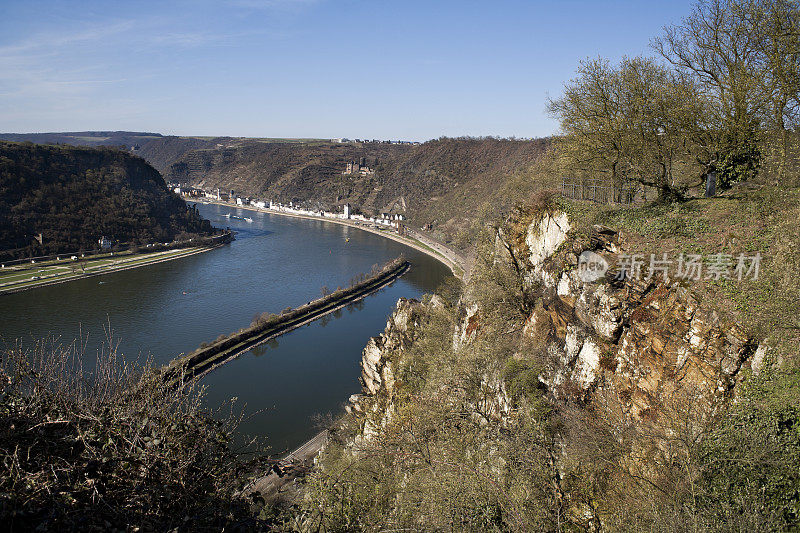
380 360
634 341
642 347
593 386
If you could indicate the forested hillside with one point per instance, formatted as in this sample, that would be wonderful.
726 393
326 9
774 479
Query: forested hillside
284 171
444 184
72 196
455 185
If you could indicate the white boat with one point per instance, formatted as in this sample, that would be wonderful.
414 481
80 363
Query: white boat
227 215
248 219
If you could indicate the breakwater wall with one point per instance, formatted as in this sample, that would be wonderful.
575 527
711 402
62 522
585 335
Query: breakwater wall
206 358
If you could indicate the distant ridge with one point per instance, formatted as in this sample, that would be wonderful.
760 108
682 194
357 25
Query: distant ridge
74 135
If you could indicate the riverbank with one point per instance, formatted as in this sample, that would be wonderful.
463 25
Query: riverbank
278 486
16 280
457 264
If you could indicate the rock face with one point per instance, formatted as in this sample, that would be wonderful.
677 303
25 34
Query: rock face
544 238
637 342
379 361
642 349
629 367
376 366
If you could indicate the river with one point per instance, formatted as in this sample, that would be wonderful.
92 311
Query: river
276 262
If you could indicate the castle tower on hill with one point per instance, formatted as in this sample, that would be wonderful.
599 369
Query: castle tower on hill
359 167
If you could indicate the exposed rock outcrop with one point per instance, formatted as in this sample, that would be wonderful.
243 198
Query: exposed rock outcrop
643 353
379 362
557 360
376 361
638 340
634 343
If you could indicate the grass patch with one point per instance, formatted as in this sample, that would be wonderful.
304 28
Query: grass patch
13 278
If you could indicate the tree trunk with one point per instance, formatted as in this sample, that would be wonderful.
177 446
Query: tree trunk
669 195
783 155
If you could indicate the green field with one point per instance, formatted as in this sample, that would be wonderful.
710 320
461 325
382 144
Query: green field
30 275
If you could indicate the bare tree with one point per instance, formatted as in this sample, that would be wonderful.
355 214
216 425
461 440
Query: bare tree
777 25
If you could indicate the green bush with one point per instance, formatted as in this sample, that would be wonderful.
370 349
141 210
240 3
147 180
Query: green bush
750 462
521 377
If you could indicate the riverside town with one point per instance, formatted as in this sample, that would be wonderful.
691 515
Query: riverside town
384 219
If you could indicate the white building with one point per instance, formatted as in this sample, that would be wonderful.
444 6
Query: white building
346 210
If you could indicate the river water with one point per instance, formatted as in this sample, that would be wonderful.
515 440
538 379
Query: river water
162 310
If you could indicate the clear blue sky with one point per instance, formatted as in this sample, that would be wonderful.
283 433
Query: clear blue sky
306 68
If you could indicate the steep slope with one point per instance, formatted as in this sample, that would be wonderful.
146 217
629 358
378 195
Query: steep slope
446 185
311 173
456 184
73 196
555 396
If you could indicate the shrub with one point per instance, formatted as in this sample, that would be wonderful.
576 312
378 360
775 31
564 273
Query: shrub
116 448
521 377
749 462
